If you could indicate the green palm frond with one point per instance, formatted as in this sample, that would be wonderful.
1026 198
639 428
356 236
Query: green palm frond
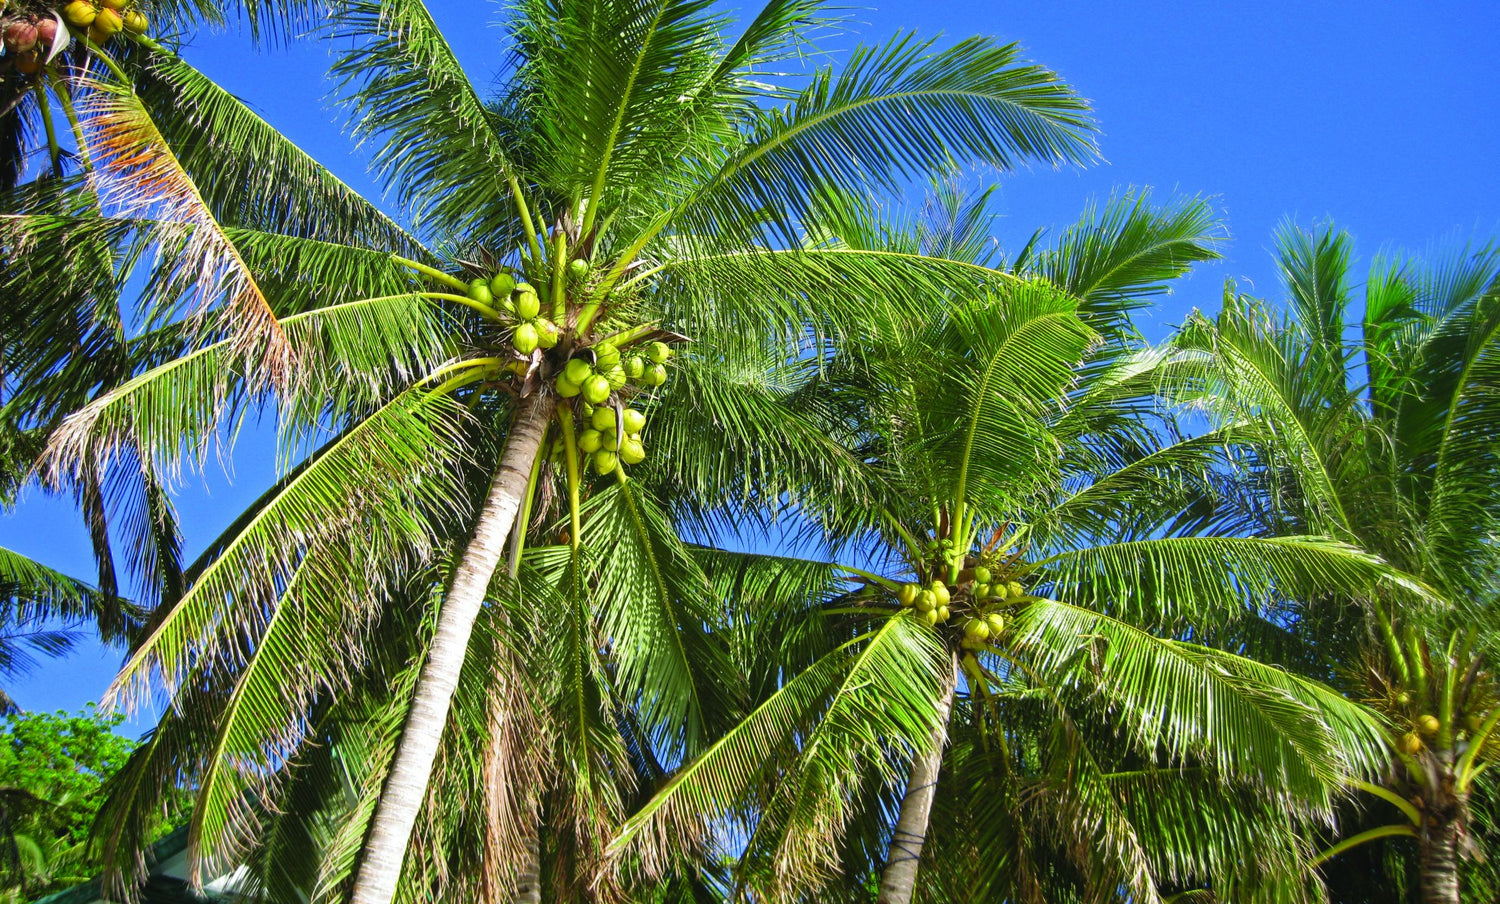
653 604
401 79
893 111
251 175
1118 255
1211 578
395 468
1293 736
866 696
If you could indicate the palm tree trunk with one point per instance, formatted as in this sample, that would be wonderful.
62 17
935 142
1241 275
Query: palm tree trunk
899 878
1439 846
406 787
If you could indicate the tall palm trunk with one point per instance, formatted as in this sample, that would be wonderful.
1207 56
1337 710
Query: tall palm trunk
1441 835
406 787
899 879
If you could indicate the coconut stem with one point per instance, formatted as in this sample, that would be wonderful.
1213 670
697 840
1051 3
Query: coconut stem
65 97
484 310
518 539
105 59
45 107
570 445
559 265
525 213
446 279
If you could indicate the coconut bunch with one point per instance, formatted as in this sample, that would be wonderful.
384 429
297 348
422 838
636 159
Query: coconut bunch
30 40
597 377
106 18
34 37
984 586
601 379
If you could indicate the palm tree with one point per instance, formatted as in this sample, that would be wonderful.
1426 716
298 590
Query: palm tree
1378 431
625 187
1043 561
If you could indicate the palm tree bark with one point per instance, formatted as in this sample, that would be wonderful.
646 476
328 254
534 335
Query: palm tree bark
406 787
899 878
1440 863
1442 832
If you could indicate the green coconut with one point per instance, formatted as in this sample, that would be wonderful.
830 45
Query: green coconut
603 419
997 623
547 332
479 290
606 354
633 451
578 269
578 371
528 305
659 352
655 375
634 366
525 338
633 420
615 374
604 461
566 388
943 613
941 592
595 389
981 574
590 441
1014 590
977 629
611 440
907 594
926 601
502 284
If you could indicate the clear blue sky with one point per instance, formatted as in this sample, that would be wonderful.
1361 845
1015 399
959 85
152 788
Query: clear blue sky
1381 116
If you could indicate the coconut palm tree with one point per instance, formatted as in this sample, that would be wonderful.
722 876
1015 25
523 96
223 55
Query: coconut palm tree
638 179
1378 430
1040 578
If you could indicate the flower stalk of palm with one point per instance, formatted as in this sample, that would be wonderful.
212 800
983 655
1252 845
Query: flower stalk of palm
629 135
1381 435
1036 563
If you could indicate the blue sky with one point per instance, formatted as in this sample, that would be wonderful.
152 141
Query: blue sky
1383 117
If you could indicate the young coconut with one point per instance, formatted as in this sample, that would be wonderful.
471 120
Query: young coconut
996 622
479 290
80 13
634 366
926 601
502 284
578 269
20 36
633 451
659 352
603 420
590 440
633 420
604 461
655 375
565 387
1410 743
942 613
528 305
547 332
907 594
578 371
1429 724
596 389
525 338
981 574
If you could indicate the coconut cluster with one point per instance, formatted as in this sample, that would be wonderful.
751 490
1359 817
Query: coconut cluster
598 377
106 18
31 38
979 597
